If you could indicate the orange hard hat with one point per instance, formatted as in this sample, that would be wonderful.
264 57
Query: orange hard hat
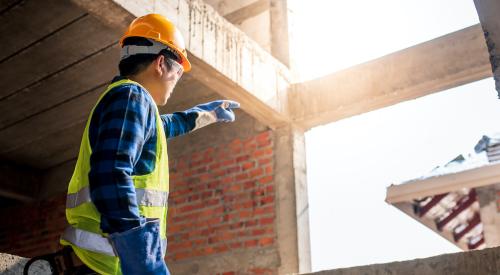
159 28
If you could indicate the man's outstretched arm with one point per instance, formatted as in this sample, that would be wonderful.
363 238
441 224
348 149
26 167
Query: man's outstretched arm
180 123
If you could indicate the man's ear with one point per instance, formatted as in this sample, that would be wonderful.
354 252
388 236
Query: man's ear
159 63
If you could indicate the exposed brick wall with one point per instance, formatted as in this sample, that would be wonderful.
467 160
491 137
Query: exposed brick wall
32 229
223 199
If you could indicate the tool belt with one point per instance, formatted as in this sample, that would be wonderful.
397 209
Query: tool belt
62 262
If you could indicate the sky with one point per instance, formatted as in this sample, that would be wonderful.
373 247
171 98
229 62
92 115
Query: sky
351 162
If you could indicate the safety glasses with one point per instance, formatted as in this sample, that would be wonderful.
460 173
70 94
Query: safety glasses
175 66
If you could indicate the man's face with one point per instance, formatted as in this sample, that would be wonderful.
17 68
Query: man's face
171 73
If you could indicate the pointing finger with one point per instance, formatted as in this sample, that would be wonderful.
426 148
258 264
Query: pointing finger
229 104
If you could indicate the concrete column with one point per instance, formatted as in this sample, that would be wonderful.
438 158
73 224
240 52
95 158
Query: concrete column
488 11
292 207
279 31
490 217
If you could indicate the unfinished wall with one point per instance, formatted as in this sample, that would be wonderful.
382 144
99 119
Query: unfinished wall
33 229
224 211
222 202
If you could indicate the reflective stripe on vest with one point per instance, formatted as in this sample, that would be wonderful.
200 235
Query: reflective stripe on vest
95 242
145 197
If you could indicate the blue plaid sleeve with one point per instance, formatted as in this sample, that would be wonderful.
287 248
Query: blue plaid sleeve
179 123
122 122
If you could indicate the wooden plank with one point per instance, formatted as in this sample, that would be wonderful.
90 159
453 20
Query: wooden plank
60 87
73 43
31 25
52 121
49 150
446 62
238 16
19 183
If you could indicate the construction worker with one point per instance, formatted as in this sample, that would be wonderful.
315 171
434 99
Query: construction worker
117 197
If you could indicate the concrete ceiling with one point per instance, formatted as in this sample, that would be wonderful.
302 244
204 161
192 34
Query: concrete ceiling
54 65
58 56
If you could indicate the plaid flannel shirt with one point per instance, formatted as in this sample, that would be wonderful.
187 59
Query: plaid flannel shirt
122 134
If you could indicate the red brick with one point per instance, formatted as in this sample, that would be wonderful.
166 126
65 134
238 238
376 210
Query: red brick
242 158
235 188
267 200
266 179
249 184
262 152
236 245
266 241
270 189
214 166
219 173
251 223
207 194
264 210
263 136
247 165
263 143
251 243
243 176
268 220
264 161
257 232
246 214
228 162
233 169
256 172
269 170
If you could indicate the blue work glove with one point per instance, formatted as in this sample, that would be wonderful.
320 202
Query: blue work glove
139 249
215 111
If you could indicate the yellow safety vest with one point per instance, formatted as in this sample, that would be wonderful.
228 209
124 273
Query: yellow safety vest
83 233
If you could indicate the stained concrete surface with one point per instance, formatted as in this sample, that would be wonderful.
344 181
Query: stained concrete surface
479 262
14 265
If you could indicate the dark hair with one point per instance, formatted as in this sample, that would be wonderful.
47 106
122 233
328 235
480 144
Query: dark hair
137 63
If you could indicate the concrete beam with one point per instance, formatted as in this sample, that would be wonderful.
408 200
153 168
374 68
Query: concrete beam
19 183
472 178
488 11
280 47
443 63
238 16
224 59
